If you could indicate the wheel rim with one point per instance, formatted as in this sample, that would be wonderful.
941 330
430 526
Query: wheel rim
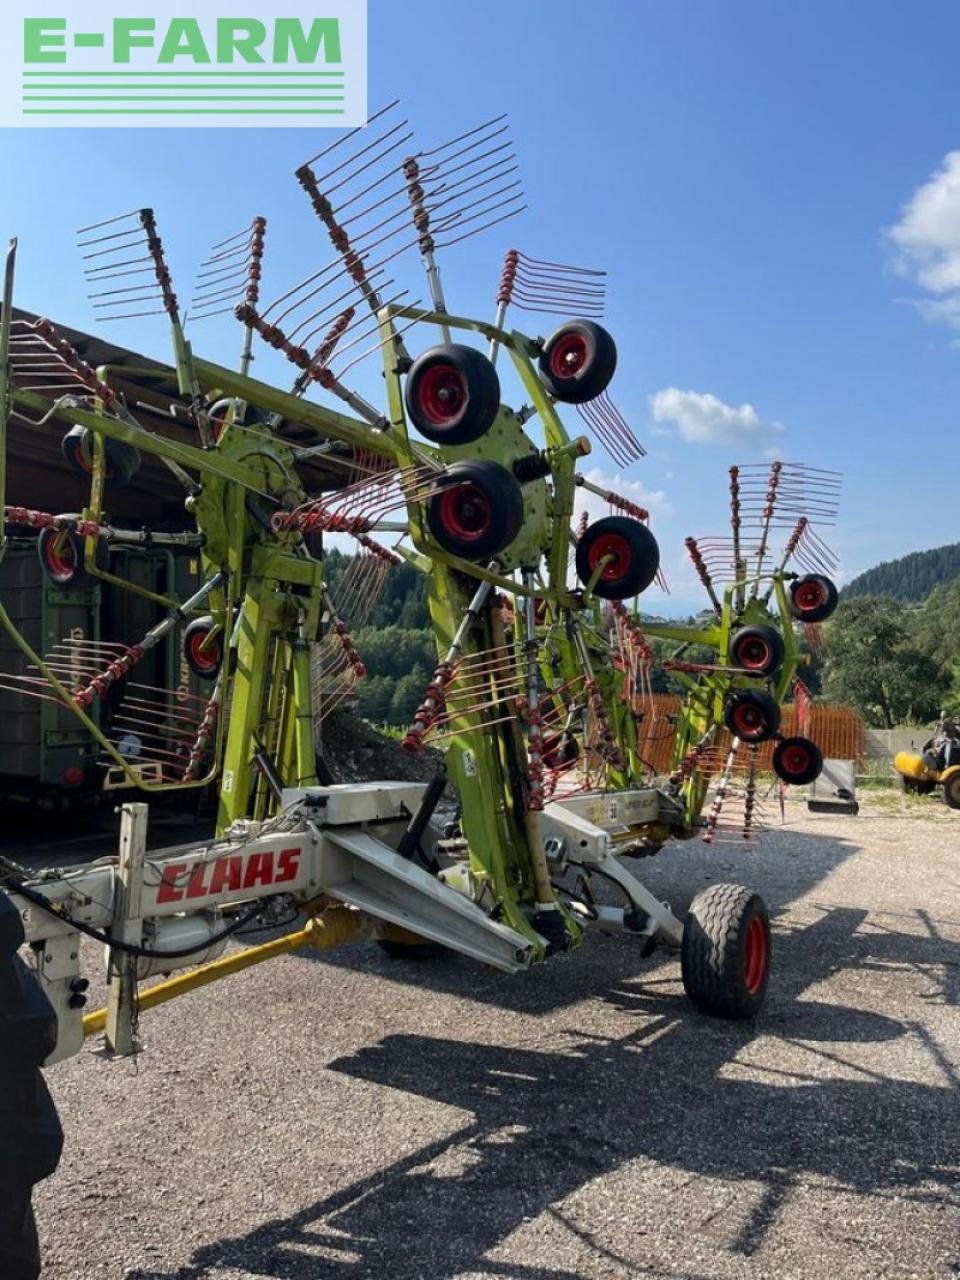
569 355
617 547
753 653
205 659
82 458
60 554
756 954
748 720
442 394
809 596
465 512
795 759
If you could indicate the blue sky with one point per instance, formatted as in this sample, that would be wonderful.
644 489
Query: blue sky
736 167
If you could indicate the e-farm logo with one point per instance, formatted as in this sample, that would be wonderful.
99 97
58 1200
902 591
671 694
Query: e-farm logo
113 64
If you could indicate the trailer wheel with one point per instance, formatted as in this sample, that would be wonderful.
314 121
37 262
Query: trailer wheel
61 556
204 660
812 598
476 511
634 557
797 761
758 650
725 954
752 717
123 460
452 394
578 361
951 791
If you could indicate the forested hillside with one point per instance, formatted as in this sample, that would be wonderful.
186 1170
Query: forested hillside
911 578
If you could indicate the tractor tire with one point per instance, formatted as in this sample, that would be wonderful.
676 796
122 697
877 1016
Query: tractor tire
725 953
410 950
797 761
757 650
578 361
751 716
951 791
123 460
452 394
61 557
203 662
812 598
635 557
477 510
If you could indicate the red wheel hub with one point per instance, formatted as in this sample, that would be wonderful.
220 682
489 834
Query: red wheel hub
616 546
795 759
569 355
465 512
207 659
442 394
749 720
756 956
61 555
753 653
809 596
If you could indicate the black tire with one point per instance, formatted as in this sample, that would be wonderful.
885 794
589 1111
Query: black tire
916 786
797 761
757 650
560 750
725 954
61 557
410 950
812 598
751 716
951 791
578 361
123 460
452 394
636 557
476 511
203 662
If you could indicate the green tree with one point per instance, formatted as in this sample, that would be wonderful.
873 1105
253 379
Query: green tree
872 664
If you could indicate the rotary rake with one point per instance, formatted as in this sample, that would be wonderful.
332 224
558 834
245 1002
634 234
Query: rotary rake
541 697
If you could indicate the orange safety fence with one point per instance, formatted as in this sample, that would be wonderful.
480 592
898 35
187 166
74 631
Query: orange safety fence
837 731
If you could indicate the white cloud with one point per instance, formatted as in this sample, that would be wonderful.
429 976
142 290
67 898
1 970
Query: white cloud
702 418
927 242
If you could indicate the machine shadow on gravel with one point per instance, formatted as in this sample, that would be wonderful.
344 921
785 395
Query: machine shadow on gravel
546 1124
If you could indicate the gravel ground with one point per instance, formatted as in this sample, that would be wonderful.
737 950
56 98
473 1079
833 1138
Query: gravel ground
347 1116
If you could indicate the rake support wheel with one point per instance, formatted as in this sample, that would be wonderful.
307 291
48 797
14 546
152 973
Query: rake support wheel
757 650
452 394
61 557
812 598
578 361
797 761
631 553
123 460
203 659
725 953
476 511
751 716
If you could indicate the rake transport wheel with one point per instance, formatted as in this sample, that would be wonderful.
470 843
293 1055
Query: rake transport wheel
476 511
123 460
61 556
725 953
751 717
797 761
452 394
758 650
578 361
812 598
203 659
631 552
951 791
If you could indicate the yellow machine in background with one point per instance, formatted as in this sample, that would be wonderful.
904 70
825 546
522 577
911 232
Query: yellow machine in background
938 764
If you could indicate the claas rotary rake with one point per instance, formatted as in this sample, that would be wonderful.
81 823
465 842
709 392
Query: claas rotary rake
540 701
